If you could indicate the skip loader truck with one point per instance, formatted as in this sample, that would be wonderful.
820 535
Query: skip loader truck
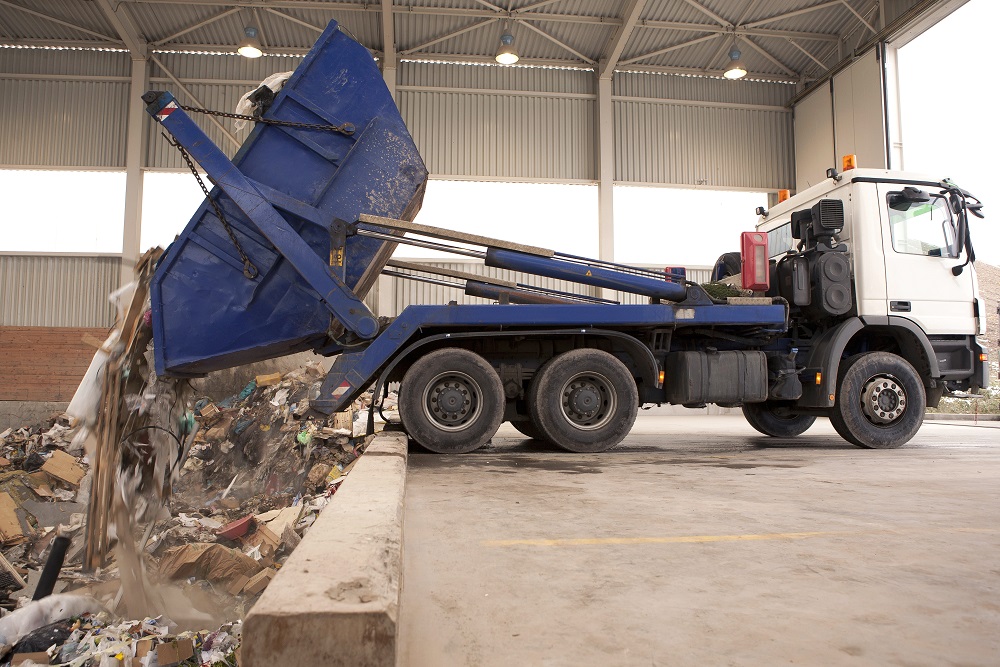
859 298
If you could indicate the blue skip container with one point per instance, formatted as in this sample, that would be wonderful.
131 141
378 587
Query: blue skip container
207 314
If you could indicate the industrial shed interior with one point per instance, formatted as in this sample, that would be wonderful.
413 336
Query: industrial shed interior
604 93
230 384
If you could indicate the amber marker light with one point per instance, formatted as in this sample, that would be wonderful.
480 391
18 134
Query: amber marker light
783 195
850 162
819 378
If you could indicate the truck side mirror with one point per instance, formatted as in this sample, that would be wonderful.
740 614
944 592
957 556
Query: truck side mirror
910 195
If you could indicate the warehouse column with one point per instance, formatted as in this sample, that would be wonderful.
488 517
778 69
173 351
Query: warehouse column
134 155
388 48
605 169
631 12
138 49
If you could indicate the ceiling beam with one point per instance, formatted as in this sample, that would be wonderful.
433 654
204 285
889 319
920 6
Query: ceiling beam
771 58
489 5
747 11
557 42
808 55
709 13
714 73
195 26
53 19
445 37
797 12
675 47
757 32
332 7
533 7
614 49
859 16
292 19
123 24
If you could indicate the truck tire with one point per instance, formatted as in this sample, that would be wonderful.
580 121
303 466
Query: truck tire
451 401
527 428
880 401
584 401
728 264
767 418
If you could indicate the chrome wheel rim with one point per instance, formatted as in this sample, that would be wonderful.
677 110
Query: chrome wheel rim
452 401
883 400
588 401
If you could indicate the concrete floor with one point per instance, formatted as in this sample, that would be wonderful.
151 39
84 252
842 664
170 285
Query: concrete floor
699 542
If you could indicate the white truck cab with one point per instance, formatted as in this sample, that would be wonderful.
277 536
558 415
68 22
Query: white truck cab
884 310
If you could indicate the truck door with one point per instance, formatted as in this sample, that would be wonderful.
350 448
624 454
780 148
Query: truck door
920 238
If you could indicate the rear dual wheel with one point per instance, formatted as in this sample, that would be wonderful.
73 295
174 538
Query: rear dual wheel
773 418
583 401
451 401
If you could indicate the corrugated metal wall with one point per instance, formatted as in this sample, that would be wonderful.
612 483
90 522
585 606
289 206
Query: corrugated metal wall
697 131
62 108
57 290
494 123
392 294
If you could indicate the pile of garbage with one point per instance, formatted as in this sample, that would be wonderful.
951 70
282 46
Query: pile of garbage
258 471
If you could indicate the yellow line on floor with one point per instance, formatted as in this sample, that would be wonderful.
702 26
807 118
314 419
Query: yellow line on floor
694 539
683 539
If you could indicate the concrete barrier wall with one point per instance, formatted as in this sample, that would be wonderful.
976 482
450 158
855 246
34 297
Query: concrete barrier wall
336 600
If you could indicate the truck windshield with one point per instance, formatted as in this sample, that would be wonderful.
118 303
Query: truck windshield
922 228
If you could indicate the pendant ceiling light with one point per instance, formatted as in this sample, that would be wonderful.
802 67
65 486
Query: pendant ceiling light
736 69
507 54
250 46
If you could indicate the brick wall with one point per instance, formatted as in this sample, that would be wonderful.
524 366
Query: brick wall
44 363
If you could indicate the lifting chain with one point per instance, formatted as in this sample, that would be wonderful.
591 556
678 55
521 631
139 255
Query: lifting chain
249 270
343 128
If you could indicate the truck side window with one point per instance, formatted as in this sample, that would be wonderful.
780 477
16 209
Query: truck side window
780 241
922 228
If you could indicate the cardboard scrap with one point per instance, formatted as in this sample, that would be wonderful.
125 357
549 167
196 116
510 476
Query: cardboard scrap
4 462
212 562
263 538
41 657
344 420
10 525
209 410
238 584
268 380
64 467
286 517
171 653
259 581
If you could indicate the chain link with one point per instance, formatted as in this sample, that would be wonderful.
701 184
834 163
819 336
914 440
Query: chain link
249 270
343 128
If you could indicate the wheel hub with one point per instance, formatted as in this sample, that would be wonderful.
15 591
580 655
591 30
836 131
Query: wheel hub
588 401
585 400
452 401
883 399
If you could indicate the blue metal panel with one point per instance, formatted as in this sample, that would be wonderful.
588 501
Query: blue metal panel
583 273
353 372
206 314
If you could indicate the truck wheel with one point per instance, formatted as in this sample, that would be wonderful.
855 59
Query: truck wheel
728 264
451 401
880 401
527 428
584 401
771 418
